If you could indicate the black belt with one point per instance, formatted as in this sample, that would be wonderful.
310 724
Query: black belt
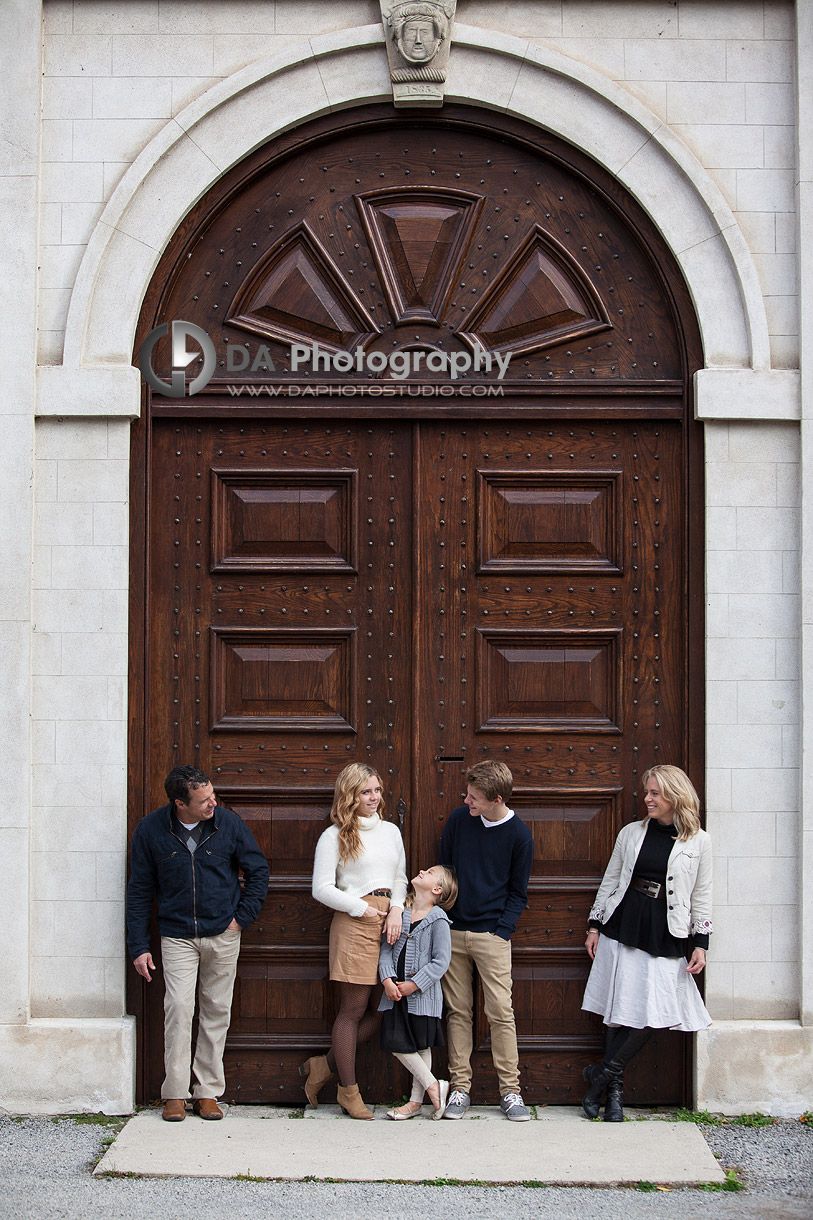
652 889
381 893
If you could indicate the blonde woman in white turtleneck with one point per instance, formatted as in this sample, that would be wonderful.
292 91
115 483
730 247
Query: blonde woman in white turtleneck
360 873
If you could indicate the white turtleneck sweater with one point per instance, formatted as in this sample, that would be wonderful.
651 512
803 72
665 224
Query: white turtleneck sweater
381 865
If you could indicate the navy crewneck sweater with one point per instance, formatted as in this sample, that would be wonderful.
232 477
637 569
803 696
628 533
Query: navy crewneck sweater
492 866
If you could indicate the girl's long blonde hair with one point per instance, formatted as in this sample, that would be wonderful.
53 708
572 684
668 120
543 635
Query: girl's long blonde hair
345 810
679 791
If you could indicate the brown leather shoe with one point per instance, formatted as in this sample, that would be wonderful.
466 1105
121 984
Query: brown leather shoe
174 1110
207 1107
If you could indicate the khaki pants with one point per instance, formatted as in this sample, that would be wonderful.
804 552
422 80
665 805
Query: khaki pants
211 962
492 957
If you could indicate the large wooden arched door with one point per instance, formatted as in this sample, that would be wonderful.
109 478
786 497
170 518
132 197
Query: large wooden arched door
420 572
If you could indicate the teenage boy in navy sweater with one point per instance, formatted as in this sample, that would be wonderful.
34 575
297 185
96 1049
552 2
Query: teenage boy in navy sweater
490 849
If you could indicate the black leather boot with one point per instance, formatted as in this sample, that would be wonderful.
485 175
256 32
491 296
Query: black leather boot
597 1077
613 1108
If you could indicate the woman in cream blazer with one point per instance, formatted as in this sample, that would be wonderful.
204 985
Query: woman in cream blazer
655 893
688 899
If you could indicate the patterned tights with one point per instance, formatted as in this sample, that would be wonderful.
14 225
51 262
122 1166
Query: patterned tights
356 1022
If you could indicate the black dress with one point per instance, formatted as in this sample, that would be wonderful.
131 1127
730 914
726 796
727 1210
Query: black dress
640 921
403 1031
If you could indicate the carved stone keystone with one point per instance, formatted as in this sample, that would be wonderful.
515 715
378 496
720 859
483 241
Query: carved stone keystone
419 35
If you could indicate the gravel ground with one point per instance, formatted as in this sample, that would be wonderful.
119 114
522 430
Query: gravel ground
45 1169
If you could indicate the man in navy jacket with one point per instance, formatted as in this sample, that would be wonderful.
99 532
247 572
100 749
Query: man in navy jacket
491 850
188 855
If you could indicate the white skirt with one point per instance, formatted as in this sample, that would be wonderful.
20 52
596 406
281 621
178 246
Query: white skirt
630 987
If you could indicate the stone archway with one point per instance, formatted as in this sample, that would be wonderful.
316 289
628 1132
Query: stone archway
336 71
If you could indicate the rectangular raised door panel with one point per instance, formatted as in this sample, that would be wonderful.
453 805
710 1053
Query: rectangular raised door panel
281 678
545 522
544 681
283 520
573 830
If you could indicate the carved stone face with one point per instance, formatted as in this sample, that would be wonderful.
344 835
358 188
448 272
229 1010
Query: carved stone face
418 40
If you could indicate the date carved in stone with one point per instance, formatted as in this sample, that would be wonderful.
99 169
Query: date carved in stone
418 34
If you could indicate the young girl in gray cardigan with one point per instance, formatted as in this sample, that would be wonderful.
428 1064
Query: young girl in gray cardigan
411 971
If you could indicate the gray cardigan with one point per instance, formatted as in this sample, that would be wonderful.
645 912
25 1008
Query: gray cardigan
428 953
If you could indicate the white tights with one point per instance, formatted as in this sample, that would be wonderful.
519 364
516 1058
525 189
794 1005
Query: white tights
419 1064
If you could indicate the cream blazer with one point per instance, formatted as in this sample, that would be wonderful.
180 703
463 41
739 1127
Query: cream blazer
688 880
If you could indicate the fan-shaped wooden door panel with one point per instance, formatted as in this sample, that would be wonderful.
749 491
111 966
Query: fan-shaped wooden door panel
417 579
430 233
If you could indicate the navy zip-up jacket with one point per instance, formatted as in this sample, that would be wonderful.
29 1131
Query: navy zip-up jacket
197 895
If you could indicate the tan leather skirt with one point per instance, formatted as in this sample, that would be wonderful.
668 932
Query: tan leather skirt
356 943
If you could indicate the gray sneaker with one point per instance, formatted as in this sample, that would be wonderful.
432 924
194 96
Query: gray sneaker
457 1105
514 1108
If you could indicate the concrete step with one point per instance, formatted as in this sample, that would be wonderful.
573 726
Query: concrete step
558 1146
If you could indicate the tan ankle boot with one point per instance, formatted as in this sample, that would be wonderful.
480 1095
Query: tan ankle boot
318 1074
350 1101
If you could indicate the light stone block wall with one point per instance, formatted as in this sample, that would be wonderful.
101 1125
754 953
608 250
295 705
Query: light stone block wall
721 75
79 717
114 75
753 716
718 72
804 106
754 1066
63 1066
19 71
